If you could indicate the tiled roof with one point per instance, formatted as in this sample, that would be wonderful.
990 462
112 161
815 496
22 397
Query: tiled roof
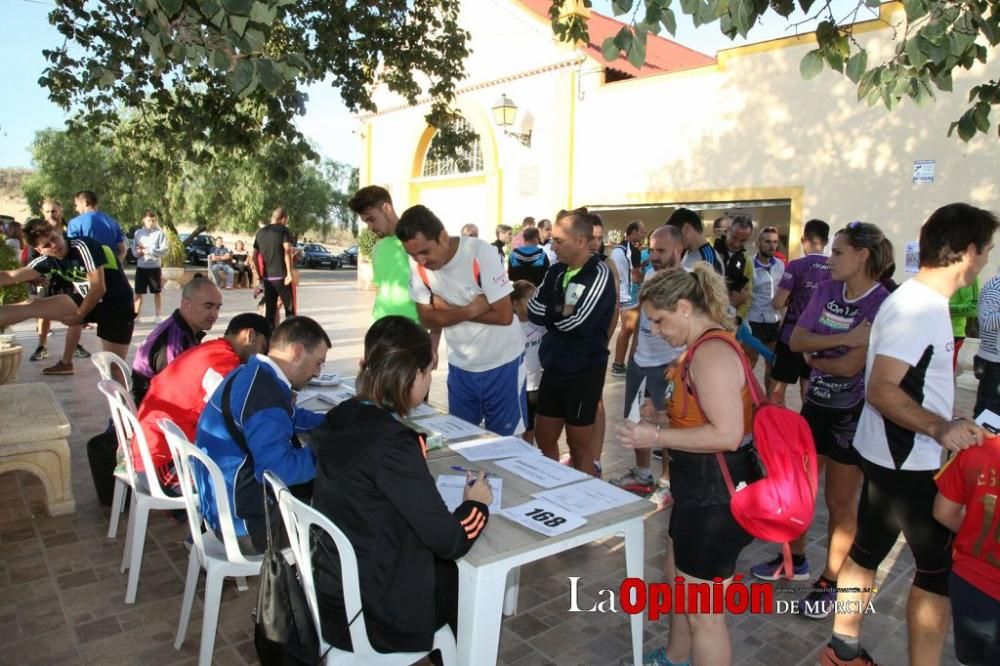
662 55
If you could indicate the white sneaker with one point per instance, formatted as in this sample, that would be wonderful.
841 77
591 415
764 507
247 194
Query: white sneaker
157 319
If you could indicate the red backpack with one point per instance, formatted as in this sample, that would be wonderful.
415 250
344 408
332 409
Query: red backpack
780 506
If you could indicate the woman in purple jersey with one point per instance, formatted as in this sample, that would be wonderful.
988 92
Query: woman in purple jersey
833 332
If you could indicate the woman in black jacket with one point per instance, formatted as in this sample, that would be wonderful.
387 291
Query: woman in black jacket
372 481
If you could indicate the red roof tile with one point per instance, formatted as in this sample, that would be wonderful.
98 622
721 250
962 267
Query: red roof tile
662 55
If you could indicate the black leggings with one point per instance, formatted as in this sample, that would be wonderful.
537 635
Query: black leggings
273 289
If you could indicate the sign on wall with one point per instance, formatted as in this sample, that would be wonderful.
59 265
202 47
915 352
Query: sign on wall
923 171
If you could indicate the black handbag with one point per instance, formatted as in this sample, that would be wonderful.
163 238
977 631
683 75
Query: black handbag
284 633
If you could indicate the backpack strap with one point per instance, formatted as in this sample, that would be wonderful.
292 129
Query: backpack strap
756 393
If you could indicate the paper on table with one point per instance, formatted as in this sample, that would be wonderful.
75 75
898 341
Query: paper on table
989 420
449 427
589 497
452 489
326 379
542 471
544 517
332 397
493 449
422 410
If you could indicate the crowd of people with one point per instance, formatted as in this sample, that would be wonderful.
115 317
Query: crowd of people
528 324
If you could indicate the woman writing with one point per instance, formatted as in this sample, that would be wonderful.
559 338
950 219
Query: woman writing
833 333
688 309
372 481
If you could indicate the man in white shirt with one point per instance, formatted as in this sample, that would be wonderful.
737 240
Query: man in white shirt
148 246
650 359
460 286
906 421
767 272
626 259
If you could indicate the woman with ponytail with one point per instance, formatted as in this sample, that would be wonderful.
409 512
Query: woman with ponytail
705 541
372 481
833 333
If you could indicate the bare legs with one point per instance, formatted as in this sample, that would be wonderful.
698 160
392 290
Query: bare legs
547 432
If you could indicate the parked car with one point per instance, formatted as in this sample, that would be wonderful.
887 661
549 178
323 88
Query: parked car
315 255
349 257
197 250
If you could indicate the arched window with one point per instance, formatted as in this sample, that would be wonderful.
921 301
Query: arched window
468 159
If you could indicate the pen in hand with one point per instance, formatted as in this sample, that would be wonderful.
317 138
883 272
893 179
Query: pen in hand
459 468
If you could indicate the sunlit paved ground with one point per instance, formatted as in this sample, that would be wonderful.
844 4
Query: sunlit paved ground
62 596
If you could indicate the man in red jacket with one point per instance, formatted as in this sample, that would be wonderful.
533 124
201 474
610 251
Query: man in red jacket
180 391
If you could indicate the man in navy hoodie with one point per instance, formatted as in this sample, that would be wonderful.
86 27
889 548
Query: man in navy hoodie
261 405
575 303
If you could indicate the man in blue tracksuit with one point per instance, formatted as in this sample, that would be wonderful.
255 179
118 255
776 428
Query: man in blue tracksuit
576 304
257 434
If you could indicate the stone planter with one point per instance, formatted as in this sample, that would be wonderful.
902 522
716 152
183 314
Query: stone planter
10 359
365 274
173 276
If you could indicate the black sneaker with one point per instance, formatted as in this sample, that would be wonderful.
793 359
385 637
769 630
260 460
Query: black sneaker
81 352
618 370
40 353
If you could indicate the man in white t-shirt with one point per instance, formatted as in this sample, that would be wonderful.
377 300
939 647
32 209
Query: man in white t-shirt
907 418
762 316
651 356
460 287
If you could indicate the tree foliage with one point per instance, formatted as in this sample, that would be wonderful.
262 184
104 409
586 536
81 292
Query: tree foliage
937 37
131 172
229 74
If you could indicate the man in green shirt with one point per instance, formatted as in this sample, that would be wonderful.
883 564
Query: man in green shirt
964 304
390 263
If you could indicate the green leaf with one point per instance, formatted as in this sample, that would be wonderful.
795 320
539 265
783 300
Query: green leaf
171 7
943 81
238 23
966 126
263 13
916 55
255 39
868 80
243 77
238 6
610 50
624 39
804 5
923 94
219 60
981 116
690 7
269 78
653 13
914 9
727 27
637 51
936 53
783 7
670 21
620 7
856 66
107 79
811 65
743 14
873 4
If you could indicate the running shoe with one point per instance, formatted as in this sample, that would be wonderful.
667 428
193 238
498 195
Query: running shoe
59 368
565 459
658 454
820 601
657 657
598 470
771 570
40 353
634 482
662 497
80 352
829 658
618 369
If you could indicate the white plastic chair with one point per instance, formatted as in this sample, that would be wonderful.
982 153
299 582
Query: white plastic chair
299 519
143 501
105 361
220 559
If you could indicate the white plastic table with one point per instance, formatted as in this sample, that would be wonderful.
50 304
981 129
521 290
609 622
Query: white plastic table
485 591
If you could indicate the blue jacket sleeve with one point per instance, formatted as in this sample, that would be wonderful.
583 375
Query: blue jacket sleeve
269 436
305 419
